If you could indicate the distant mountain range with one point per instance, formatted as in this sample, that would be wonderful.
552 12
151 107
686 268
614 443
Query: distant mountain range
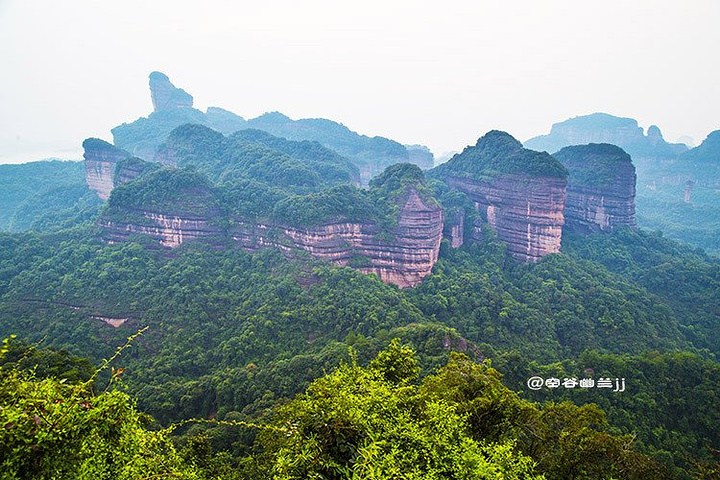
173 107
678 188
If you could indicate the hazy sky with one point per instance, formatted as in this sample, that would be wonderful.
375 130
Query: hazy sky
437 73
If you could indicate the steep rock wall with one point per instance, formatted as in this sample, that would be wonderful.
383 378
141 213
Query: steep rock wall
601 188
403 257
100 161
526 212
404 260
170 230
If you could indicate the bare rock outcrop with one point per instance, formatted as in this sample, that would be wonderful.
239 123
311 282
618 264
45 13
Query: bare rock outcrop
519 192
101 159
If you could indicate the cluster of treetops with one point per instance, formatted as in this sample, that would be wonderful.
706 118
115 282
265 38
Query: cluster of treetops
234 337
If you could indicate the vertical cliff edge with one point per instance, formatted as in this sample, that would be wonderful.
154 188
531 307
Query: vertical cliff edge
601 187
519 192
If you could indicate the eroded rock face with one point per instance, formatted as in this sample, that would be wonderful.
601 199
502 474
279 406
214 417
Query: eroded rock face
101 159
526 212
519 192
454 229
404 259
165 95
601 188
170 230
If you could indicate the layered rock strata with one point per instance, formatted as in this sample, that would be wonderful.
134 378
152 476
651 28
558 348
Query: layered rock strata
519 192
165 95
169 230
403 258
526 213
101 159
601 188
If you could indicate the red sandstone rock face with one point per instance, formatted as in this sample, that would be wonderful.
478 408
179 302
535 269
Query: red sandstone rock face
526 212
169 230
99 177
600 209
403 260
100 160
601 188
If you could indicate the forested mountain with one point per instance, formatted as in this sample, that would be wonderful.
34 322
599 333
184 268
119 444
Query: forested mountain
173 108
293 322
677 188
232 333
38 194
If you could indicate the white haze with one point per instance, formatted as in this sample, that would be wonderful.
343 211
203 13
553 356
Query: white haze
436 73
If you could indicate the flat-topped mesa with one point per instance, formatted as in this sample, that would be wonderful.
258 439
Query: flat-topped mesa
605 128
101 159
519 192
165 95
601 188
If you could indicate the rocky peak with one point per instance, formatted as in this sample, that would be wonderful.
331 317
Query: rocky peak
165 95
654 135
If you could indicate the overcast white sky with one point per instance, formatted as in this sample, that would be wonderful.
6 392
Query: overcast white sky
437 73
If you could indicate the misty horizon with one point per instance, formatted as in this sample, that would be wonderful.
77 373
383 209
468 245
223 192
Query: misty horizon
439 76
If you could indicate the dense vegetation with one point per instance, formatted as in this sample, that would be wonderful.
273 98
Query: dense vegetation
371 154
595 164
259 156
252 175
234 337
499 153
34 192
375 422
232 334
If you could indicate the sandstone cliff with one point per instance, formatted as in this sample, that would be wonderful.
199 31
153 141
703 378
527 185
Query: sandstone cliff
601 188
101 159
519 192
174 206
170 206
404 257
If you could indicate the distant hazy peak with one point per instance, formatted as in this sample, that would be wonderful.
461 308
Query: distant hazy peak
165 95
606 128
